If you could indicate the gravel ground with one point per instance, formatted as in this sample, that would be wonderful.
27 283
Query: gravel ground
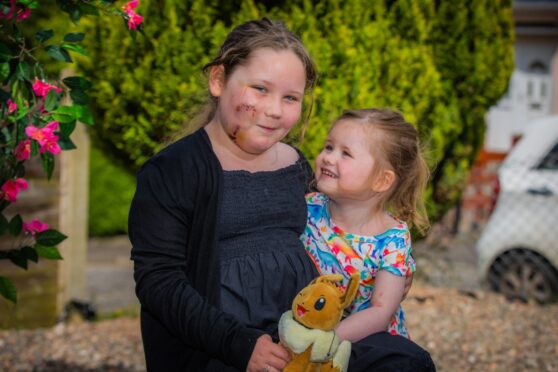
464 327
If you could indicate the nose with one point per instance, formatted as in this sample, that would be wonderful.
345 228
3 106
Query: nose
274 109
327 157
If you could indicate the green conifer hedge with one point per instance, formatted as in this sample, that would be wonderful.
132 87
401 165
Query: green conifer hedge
442 63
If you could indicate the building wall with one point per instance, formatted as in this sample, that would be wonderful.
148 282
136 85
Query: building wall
533 93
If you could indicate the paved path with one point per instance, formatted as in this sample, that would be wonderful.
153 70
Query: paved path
109 280
110 284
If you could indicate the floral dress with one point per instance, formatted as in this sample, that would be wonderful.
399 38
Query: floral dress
337 252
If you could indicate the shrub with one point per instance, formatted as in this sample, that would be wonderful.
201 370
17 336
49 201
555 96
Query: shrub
442 63
111 189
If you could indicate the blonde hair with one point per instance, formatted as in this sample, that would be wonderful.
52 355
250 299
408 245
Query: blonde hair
396 145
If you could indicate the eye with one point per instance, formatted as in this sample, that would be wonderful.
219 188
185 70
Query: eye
260 88
346 153
328 148
291 98
320 303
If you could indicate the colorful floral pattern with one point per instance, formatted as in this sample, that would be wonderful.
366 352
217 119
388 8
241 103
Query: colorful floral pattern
336 252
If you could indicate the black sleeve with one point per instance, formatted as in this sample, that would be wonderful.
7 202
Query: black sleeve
158 229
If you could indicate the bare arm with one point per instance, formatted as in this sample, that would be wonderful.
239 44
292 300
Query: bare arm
387 295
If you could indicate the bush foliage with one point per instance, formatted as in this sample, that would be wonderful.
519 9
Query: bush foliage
111 189
442 63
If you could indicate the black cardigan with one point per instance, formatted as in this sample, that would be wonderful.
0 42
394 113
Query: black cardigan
172 227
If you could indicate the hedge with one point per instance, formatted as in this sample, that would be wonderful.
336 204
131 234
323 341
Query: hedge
442 63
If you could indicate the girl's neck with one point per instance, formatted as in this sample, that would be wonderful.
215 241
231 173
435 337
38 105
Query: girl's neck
360 217
232 157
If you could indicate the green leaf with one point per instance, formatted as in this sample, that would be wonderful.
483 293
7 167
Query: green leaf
66 143
4 71
77 82
32 4
58 53
48 252
5 53
75 48
50 237
8 289
3 223
86 116
79 97
17 34
30 253
18 258
67 128
44 35
51 100
48 163
66 114
23 71
15 225
74 37
34 148
88 9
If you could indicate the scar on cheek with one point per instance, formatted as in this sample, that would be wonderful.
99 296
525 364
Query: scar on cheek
250 109
234 133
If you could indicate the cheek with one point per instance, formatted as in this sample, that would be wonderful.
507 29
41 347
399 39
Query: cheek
292 115
319 160
245 104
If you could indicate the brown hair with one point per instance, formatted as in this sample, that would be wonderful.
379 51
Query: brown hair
240 43
396 145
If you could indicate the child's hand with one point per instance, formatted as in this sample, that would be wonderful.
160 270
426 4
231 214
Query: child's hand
267 356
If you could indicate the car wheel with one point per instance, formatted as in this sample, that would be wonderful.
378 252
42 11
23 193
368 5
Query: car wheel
524 275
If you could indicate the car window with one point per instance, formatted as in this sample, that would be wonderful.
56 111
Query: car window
550 161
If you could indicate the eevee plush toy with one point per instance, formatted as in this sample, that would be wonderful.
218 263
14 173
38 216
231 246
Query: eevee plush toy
307 329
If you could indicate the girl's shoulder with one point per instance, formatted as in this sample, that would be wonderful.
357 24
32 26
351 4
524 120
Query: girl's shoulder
316 198
288 153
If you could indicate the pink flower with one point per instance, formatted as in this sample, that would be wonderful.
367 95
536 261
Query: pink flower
23 14
130 5
19 11
11 188
52 147
42 88
134 20
45 136
23 150
12 106
34 227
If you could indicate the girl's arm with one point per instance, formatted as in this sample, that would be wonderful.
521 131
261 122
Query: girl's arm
386 297
159 229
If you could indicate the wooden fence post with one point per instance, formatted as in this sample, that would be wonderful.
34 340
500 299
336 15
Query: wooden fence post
74 192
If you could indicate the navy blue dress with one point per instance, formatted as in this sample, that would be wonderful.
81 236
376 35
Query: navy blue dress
262 260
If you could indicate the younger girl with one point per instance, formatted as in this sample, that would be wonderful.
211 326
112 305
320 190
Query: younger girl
371 177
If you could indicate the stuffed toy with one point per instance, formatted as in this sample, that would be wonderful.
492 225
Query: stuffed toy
307 329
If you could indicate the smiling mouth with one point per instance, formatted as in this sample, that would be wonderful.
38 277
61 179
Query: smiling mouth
300 311
267 129
325 172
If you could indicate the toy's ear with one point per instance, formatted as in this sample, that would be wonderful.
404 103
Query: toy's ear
333 278
351 290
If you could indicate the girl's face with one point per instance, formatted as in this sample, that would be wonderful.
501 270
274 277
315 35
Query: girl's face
346 167
261 100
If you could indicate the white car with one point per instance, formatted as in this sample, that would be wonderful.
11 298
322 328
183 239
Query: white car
518 249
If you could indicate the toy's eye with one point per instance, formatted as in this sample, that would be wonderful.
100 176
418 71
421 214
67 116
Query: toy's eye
320 303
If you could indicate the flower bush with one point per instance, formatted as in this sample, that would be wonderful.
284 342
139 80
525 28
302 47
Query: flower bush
34 122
